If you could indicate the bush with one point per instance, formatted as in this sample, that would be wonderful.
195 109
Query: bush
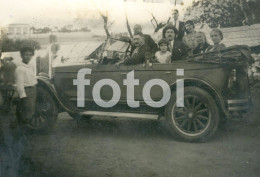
216 13
11 45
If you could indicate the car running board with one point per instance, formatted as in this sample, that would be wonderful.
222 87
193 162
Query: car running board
120 114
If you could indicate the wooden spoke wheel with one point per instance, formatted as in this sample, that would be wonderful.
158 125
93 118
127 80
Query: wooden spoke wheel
199 117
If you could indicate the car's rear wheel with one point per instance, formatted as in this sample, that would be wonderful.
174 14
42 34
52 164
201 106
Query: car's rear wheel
46 112
197 120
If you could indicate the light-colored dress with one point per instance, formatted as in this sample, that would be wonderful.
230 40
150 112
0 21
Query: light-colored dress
163 57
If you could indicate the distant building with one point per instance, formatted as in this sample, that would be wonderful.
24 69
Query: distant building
18 29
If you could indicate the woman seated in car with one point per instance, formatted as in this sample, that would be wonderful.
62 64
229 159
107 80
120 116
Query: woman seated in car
190 38
202 43
163 55
216 37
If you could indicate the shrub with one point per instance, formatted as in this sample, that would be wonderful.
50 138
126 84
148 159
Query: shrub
11 45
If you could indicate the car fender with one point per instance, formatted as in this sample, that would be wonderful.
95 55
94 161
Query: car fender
209 88
45 83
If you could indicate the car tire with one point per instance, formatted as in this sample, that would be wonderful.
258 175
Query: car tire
46 112
199 118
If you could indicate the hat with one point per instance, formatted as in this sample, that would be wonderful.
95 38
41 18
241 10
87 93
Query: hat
169 27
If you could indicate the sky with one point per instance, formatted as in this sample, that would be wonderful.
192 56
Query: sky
40 13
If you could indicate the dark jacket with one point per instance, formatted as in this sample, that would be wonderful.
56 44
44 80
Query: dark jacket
149 42
216 47
179 51
181 31
139 57
201 49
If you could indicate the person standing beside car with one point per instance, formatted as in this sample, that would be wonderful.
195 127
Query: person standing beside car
26 86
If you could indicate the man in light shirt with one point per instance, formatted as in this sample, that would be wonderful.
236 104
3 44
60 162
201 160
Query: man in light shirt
26 86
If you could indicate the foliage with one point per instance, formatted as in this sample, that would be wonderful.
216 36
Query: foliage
11 45
41 30
65 30
85 29
46 30
216 13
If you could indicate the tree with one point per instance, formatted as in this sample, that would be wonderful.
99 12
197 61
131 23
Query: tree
158 25
46 30
64 29
11 45
85 29
250 9
127 22
105 17
215 13
69 27
105 20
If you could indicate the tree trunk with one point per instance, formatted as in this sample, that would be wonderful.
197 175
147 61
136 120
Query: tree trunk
106 29
127 22
247 13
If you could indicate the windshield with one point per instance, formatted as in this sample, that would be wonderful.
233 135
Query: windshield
115 48
75 53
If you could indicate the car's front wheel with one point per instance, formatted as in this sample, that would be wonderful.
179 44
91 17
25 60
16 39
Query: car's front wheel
46 112
197 120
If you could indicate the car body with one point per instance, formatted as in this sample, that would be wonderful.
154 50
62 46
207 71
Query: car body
210 89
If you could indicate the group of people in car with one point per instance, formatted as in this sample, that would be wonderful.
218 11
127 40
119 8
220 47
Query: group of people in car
179 40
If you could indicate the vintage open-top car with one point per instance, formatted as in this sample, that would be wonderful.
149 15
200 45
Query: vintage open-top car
215 89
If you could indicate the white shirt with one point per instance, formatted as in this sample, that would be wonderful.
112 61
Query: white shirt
25 77
163 57
171 44
176 24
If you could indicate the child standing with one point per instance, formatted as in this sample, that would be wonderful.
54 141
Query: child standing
163 55
26 86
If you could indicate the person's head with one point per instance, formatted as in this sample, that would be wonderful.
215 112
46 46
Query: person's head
216 36
137 28
170 32
175 14
163 44
26 54
138 39
52 38
201 38
189 26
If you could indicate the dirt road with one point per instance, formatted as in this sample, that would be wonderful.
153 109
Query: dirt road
121 147
133 147
127 147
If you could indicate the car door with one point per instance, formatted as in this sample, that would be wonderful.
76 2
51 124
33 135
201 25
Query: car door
105 72
102 73
63 83
165 72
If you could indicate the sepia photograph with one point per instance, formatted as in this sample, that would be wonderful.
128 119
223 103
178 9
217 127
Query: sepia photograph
130 88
